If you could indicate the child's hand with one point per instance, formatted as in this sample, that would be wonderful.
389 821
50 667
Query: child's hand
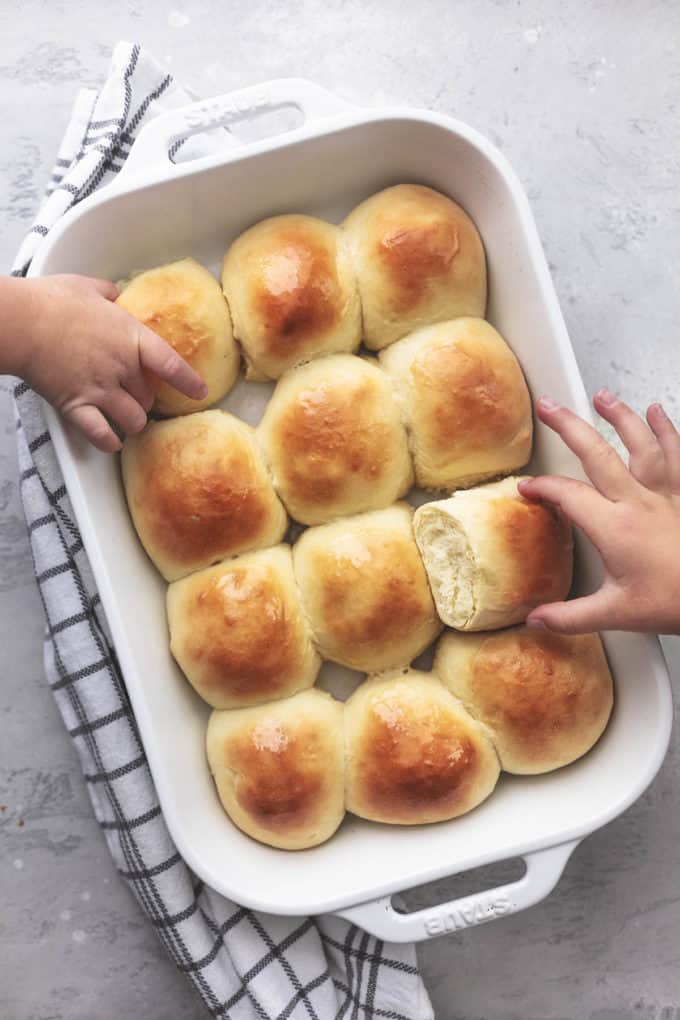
631 514
89 358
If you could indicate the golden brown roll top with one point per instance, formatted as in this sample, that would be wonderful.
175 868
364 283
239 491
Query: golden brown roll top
198 492
279 768
364 590
238 632
334 440
545 698
414 755
418 259
292 293
491 556
465 402
183 303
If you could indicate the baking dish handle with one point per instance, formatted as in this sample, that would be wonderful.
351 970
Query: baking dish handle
543 870
151 156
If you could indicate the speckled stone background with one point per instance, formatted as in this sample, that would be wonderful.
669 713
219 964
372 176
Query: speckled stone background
584 99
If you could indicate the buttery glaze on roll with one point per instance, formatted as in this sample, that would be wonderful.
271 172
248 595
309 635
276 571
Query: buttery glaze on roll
292 294
334 440
198 491
364 590
546 698
279 768
465 402
414 755
183 303
492 556
418 259
238 632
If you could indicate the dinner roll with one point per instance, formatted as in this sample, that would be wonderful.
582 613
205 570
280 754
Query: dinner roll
183 303
414 755
491 556
364 590
334 440
238 632
279 768
418 258
198 491
546 698
292 294
466 404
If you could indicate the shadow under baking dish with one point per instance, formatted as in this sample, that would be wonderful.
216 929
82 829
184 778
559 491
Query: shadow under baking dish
326 170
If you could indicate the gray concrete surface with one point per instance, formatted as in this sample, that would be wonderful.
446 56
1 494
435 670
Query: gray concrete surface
583 97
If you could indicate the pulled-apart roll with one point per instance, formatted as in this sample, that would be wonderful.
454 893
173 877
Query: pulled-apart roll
364 590
492 556
418 259
334 440
279 768
198 491
183 303
414 755
465 401
292 294
545 698
238 632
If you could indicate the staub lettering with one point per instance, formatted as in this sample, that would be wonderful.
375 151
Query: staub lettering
221 111
467 913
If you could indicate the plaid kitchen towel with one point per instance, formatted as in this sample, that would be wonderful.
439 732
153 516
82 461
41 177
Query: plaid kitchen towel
242 963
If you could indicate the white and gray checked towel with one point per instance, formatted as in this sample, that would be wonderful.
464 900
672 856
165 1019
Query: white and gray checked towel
243 964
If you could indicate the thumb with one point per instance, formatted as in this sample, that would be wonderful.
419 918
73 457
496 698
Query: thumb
106 289
594 612
103 287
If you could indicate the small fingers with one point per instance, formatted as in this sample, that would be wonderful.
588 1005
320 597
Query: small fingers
124 411
669 441
631 429
104 287
141 389
600 461
158 357
646 462
94 426
582 504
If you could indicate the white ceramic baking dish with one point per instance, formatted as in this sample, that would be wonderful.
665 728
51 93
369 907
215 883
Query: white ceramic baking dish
157 211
